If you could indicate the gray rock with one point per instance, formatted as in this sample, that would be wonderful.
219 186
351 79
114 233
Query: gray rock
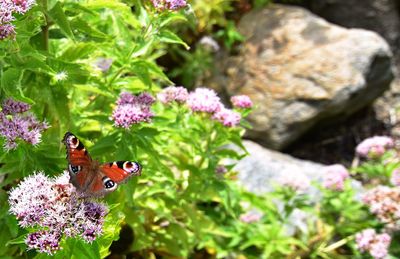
381 16
301 71
262 168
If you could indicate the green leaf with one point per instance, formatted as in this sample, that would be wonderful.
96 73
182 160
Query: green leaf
58 16
10 80
93 89
142 72
170 17
142 48
168 36
84 27
75 248
78 51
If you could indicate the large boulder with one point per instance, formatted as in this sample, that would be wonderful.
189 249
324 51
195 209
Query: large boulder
381 16
301 70
263 169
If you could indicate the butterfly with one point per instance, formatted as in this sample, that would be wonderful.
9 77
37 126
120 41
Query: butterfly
89 176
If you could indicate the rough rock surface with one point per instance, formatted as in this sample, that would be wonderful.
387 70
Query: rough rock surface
381 16
263 168
300 71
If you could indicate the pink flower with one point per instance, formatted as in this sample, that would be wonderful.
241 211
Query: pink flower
221 169
377 245
227 117
53 208
169 4
204 100
384 202
395 178
178 94
251 216
7 31
11 106
241 101
7 8
132 109
295 181
374 147
334 177
16 124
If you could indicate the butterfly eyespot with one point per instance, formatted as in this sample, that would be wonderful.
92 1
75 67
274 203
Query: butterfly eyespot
73 141
108 183
132 167
74 169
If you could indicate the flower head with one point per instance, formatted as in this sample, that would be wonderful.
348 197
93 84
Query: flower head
16 124
374 147
7 31
241 101
297 181
11 106
376 245
132 109
169 4
172 93
395 177
54 208
334 177
227 117
7 8
251 216
384 202
204 100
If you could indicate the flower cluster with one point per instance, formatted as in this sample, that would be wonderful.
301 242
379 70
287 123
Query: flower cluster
132 109
169 4
376 245
227 117
384 202
206 100
16 124
335 176
7 8
297 181
395 177
170 94
203 100
374 147
251 216
241 101
55 208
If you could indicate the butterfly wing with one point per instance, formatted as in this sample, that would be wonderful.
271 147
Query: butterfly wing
79 162
91 178
118 172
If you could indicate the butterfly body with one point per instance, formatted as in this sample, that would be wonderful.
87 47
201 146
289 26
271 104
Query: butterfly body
90 176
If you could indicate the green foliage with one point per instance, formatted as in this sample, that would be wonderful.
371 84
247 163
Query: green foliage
179 206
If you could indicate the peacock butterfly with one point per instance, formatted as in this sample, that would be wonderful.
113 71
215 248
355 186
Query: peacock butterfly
89 176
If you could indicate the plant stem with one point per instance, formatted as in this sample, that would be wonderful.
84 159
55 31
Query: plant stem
45 28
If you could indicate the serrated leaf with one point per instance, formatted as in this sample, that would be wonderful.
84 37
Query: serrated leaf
168 36
78 51
58 16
